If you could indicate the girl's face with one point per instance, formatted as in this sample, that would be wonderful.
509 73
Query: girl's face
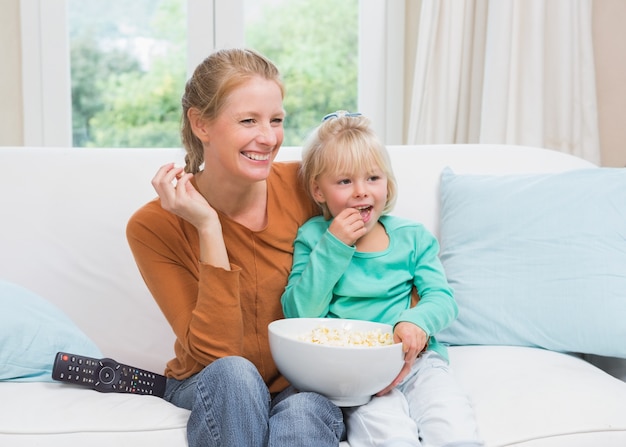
244 139
366 191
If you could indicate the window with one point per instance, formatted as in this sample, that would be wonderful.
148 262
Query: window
128 69
123 64
315 44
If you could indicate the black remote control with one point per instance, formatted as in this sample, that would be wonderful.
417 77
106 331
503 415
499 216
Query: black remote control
106 375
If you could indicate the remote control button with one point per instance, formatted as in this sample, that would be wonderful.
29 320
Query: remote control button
107 375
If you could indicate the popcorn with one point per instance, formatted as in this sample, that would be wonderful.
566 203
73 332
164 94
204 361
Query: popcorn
323 335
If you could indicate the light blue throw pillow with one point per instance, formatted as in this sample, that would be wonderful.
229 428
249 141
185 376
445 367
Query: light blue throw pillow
537 260
32 331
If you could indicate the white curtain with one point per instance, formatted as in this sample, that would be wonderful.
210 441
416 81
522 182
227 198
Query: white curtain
505 71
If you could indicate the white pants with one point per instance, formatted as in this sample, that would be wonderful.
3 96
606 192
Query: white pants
428 409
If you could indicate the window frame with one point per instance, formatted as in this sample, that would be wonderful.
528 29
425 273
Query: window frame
213 24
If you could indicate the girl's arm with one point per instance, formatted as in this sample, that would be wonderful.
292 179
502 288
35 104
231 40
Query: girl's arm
436 308
319 260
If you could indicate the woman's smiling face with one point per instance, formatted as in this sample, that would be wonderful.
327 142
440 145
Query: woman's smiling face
245 138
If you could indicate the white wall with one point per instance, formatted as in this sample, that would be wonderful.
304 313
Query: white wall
609 35
10 74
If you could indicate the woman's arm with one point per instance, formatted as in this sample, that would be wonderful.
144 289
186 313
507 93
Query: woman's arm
179 249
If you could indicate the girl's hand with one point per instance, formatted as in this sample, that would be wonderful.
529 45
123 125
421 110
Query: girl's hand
178 196
413 339
348 226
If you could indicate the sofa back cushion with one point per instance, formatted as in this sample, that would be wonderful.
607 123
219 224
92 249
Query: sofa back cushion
65 212
32 331
537 260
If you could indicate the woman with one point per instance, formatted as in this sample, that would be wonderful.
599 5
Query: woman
215 250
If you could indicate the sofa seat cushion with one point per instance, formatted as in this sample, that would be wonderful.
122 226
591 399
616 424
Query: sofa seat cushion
580 405
529 397
57 414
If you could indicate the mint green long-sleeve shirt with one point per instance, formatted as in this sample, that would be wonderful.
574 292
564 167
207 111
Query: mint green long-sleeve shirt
332 279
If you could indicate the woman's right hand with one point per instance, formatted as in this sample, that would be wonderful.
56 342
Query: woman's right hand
178 196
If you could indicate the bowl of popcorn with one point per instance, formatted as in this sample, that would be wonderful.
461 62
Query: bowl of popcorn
347 361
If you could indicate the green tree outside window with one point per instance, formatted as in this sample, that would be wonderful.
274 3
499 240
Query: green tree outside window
120 100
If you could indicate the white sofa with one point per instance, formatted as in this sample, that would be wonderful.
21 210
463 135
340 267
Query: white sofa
64 212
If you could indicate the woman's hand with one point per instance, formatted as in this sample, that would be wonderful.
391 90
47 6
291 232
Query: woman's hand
413 339
178 196
348 226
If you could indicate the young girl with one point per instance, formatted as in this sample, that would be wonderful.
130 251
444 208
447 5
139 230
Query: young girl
358 262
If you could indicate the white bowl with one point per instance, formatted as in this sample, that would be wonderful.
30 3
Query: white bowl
347 375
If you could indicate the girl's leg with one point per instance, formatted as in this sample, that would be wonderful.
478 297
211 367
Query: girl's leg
382 422
305 420
442 410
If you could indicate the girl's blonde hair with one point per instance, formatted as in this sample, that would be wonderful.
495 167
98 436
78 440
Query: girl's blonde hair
209 87
346 143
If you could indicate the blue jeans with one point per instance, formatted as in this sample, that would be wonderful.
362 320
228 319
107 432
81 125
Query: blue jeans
231 406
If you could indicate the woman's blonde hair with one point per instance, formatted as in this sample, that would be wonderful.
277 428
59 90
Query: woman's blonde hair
209 87
346 143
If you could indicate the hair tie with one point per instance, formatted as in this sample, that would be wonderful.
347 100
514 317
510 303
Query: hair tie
340 114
